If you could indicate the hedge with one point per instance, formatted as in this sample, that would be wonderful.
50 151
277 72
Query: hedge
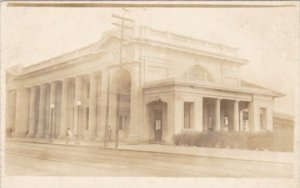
279 140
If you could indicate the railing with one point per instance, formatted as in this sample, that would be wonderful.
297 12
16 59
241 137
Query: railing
179 40
189 42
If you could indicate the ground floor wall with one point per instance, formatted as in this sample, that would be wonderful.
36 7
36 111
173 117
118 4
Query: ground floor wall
92 107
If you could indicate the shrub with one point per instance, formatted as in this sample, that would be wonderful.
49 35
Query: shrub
262 140
278 140
211 139
186 138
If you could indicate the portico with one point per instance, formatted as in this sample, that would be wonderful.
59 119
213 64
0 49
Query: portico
201 107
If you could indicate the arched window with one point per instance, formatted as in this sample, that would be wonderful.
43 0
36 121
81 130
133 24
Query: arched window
197 72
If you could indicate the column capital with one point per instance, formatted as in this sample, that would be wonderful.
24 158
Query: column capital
56 81
96 73
67 80
34 86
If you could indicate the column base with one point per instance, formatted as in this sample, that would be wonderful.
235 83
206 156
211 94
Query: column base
77 139
61 136
30 135
47 136
100 138
91 138
39 135
168 142
133 139
18 135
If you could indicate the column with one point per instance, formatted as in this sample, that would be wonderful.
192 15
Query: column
71 105
22 112
250 116
236 116
41 124
102 105
93 106
53 109
175 116
218 115
270 117
178 115
58 107
135 106
32 111
78 106
10 110
64 109
198 115
253 117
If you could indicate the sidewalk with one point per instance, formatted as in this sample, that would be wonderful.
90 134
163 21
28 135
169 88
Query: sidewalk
263 156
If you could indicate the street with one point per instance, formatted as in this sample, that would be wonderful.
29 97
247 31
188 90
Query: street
37 159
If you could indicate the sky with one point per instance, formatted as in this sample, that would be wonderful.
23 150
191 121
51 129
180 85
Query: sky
267 37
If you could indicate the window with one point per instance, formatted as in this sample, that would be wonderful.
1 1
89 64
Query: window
188 113
197 72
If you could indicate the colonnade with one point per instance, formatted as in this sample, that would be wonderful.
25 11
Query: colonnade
209 114
48 109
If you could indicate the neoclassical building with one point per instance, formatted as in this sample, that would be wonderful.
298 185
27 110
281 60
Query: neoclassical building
161 84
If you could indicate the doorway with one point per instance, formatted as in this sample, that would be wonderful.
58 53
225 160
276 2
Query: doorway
157 111
157 125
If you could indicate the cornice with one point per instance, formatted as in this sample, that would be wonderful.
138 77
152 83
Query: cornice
95 48
180 82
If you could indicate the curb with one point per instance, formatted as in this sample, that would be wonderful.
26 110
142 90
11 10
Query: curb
288 162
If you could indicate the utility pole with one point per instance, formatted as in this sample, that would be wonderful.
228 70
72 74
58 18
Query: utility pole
107 111
123 23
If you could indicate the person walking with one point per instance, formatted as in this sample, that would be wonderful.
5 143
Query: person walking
68 136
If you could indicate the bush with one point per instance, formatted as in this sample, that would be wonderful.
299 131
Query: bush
211 139
283 140
263 140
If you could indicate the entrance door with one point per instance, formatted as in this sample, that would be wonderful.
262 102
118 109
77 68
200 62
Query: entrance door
157 125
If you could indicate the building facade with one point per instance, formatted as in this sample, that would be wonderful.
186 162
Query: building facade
161 83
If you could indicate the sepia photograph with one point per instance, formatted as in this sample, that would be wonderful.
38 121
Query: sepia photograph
150 94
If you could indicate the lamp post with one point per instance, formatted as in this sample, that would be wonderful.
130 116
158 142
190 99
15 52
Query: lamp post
78 104
52 106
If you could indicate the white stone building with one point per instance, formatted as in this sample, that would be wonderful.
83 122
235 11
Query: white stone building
164 83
